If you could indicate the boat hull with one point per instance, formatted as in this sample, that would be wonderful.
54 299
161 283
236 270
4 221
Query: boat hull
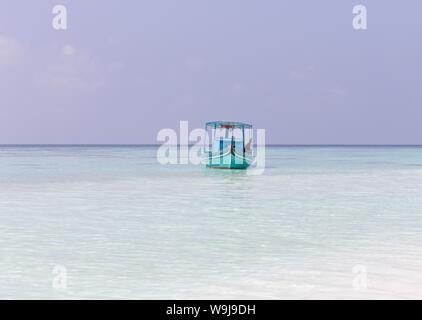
228 161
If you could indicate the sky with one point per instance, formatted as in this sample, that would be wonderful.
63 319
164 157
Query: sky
124 70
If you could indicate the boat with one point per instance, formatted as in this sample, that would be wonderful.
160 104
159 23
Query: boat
229 145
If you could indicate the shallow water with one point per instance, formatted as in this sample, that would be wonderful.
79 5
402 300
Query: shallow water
110 222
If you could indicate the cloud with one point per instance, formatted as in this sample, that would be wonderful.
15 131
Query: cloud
113 41
239 88
69 50
336 92
303 73
70 69
194 64
11 51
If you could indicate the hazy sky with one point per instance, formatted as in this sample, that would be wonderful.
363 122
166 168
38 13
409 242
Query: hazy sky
123 70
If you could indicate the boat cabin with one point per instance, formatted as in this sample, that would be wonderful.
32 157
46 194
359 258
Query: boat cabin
229 145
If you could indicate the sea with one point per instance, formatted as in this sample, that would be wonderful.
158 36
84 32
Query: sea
111 222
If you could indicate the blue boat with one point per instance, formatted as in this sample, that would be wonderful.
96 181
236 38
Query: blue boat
229 145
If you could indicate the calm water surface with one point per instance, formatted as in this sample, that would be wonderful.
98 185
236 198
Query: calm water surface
321 222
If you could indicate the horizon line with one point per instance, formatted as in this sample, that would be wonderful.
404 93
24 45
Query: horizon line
192 144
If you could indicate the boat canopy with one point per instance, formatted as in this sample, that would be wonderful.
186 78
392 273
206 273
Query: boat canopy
228 124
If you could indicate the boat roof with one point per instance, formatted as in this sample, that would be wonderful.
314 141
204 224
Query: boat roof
228 124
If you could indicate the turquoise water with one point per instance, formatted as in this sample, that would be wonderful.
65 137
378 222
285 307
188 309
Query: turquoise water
110 222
